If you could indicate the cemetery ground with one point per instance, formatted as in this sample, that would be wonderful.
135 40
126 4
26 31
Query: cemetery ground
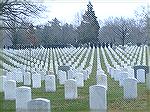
115 101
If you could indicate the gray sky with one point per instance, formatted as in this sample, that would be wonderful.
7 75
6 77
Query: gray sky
67 10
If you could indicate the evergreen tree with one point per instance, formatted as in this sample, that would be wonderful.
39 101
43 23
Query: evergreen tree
89 28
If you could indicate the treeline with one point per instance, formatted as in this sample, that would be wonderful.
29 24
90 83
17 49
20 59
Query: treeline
113 31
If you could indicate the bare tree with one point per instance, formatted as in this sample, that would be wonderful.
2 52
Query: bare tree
123 29
18 10
14 12
143 19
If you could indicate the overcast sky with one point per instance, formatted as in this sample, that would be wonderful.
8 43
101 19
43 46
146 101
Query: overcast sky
67 10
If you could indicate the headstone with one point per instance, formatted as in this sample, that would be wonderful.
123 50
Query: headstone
19 76
23 95
130 88
10 76
112 71
97 98
50 84
80 79
42 73
36 80
146 68
70 74
123 75
102 80
50 72
131 73
117 74
64 68
27 78
39 105
71 89
2 82
85 74
62 77
141 75
10 90
100 72
4 72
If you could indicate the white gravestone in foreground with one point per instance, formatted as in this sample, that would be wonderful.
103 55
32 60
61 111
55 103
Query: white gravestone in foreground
123 75
27 78
50 84
36 80
85 74
18 76
70 74
23 95
10 76
80 79
97 98
130 88
10 90
102 80
39 105
62 77
71 89
141 75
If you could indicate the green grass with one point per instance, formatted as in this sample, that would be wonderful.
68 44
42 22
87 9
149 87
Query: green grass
115 100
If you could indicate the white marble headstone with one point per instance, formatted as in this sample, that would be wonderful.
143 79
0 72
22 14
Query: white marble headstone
27 78
39 105
10 90
79 79
141 75
97 98
62 77
123 75
102 80
50 84
18 76
23 95
36 80
71 89
85 74
130 88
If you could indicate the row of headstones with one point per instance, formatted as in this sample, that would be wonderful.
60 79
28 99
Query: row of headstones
19 57
127 80
123 73
50 84
119 73
23 98
122 63
73 65
33 68
141 51
38 63
125 59
24 103
140 75
22 54
115 55
91 97
98 93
